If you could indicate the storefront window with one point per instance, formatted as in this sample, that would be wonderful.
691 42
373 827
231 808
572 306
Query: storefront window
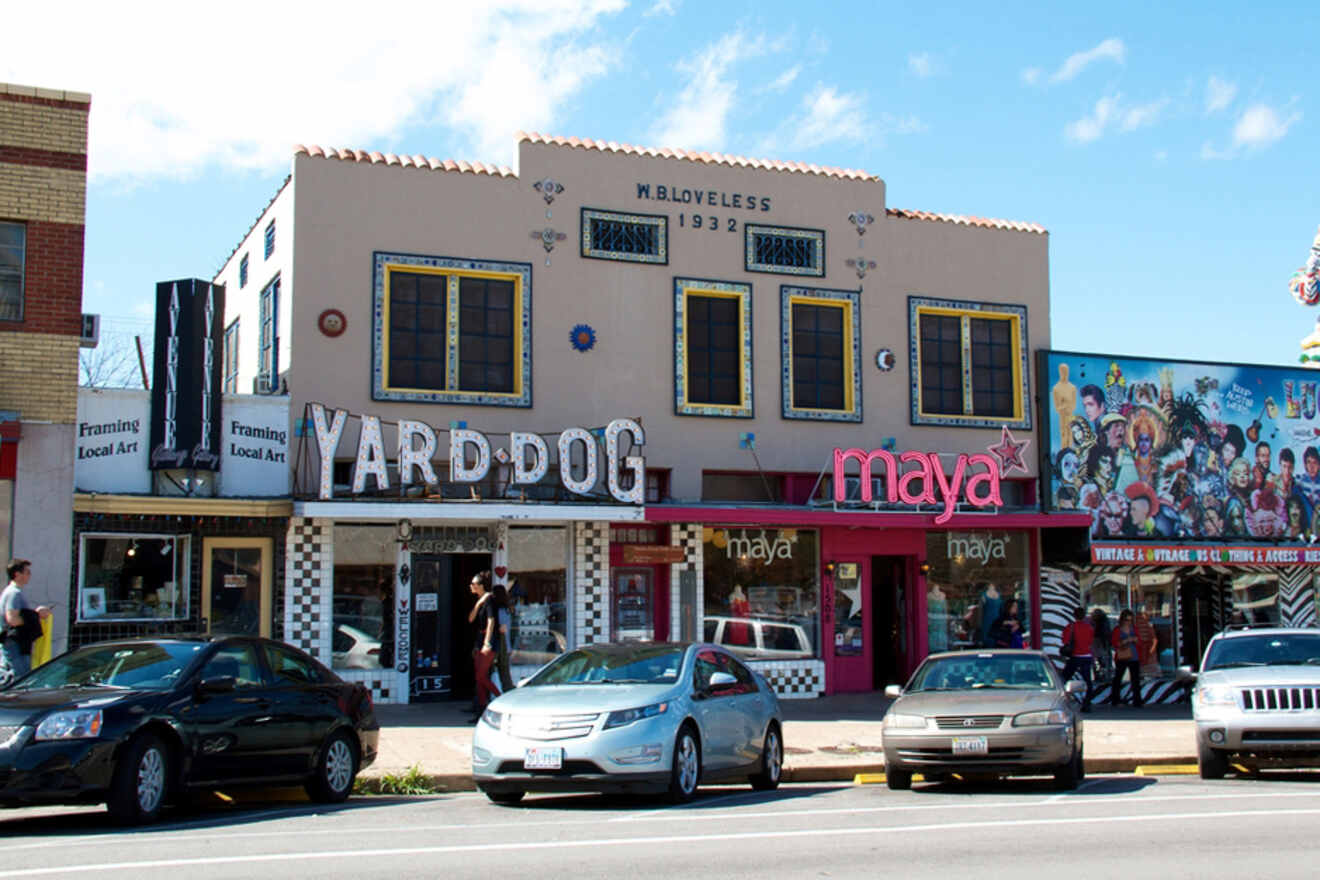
363 635
1256 597
133 577
762 592
538 578
1151 599
974 579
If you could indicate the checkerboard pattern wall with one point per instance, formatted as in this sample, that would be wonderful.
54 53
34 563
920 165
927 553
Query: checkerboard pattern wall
793 679
689 537
308 576
386 685
591 582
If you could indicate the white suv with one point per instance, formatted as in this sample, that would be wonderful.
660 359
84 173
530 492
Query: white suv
1257 699
755 639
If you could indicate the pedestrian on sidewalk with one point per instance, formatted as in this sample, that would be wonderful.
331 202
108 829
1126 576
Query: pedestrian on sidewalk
1104 656
503 627
22 623
484 617
1078 638
1127 657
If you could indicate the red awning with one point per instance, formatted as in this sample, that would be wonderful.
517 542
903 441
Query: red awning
804 516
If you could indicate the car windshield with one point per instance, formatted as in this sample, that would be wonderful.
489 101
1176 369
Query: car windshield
983 670
1272 649
614 664
153 666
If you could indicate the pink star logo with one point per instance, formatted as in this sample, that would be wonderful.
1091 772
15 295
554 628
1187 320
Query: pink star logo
1009 452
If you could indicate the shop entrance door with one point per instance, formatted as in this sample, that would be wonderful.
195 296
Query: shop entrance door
852 625
236 586
441 664
889 597
1195 599
639 603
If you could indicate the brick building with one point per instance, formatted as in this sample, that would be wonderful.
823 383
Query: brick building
43 189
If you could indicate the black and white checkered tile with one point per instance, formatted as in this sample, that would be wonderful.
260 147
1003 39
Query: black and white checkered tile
689 537
793 679
309 564
386 685
591 582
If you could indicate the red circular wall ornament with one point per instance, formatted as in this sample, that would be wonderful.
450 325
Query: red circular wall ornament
332 322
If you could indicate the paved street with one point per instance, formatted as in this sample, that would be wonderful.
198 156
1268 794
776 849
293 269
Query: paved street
1175 826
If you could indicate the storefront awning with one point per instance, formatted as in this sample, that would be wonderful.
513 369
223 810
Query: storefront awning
460 511
805 516
169 505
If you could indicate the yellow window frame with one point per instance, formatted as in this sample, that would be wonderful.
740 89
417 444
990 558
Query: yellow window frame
965 317
718 290
852 355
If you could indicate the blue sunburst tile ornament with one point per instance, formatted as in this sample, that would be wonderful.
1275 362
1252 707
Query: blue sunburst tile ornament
582 337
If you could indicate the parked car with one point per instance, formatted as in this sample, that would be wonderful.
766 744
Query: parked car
134 723
1005 712
1257 699
755 639
632 717
354 649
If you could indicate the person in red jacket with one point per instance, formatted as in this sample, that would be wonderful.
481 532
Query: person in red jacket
1127 656
1079 636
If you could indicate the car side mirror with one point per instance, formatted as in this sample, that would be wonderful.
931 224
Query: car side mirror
721 679
1185 675
1074 687
522 681
893 691
220 684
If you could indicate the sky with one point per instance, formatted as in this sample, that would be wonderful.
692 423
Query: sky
1170 149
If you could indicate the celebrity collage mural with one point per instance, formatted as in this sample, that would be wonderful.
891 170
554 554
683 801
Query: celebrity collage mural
1160 449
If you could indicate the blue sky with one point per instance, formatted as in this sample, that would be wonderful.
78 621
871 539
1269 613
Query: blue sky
1170 149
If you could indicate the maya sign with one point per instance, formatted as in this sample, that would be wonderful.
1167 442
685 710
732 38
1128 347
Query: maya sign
912 478
470 455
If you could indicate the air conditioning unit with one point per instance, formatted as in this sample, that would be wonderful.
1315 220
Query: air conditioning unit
91 331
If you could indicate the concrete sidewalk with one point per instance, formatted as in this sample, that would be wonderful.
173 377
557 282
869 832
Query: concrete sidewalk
826 739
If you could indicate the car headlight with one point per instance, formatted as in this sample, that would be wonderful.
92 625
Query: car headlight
492 718
904 722
1215 695
1034 719
628 716
75 724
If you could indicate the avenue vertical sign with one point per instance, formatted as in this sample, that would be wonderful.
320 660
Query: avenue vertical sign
185 388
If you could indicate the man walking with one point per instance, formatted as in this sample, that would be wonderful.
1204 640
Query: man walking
17 651
1078 636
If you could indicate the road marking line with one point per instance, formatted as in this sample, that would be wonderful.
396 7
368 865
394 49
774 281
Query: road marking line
487 847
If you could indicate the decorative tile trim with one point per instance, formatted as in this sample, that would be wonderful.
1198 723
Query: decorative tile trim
789 294
520 272
659 221
386 685
683 287
814 237
308 584
591 582
793 679
689 536
917 304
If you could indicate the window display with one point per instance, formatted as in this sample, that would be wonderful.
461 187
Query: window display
762 591
977 590
133 577
363 634
537 584
1150 597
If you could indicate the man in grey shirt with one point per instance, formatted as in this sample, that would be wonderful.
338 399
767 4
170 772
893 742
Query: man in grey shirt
12 605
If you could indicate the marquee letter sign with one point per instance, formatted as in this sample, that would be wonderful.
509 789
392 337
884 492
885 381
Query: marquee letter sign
926 469
186 381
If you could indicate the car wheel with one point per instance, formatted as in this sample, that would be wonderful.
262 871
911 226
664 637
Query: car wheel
505 798
140 781
898 779
772 762
1068 776
686 770
1213 764
335 769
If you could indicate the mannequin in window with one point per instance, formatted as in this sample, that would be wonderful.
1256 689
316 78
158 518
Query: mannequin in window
937 617
991 602
739 606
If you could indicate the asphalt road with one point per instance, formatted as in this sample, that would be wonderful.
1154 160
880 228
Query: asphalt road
1123 826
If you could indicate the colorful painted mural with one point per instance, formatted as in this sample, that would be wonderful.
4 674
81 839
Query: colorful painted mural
1173 449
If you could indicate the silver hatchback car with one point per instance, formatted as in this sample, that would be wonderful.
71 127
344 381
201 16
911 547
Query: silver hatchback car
631 717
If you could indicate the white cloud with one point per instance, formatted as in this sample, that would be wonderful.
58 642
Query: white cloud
828 116
785 79
1142 115
1219 94
698 118
1090 128
1261 125
661 7
1031 75
178 88
1210 153
921 64
1111 49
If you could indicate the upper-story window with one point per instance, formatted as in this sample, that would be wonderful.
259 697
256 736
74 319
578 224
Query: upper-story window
13 250
969 363
636 238
785 251
268 374
242 272
231 358
820 347
270 239
452 331
712 348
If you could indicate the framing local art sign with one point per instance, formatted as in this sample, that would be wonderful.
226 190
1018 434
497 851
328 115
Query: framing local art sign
1173 554
914 477
470 455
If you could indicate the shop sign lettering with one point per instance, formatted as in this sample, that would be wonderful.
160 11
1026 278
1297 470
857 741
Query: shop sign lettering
980 489
402 635
705 198
1163 554
976 548
759 547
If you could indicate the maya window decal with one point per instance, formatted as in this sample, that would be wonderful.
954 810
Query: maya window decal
968 363
712 348
784 250
451 330
635 238
820 347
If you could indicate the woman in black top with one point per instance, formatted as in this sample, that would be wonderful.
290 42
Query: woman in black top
485 618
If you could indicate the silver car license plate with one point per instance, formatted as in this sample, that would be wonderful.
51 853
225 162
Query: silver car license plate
970 745
544 759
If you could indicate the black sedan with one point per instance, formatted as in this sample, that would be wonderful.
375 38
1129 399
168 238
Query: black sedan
132 723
